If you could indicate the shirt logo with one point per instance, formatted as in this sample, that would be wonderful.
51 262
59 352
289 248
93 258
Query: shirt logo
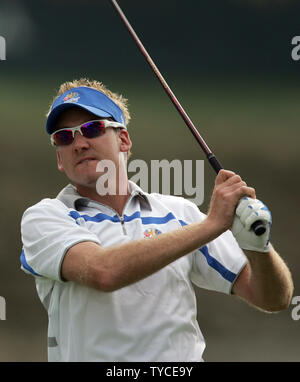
71 97
150 232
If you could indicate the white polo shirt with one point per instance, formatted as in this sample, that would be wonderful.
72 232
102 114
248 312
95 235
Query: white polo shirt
154 319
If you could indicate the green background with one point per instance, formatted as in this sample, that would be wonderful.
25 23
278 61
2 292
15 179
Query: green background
229 64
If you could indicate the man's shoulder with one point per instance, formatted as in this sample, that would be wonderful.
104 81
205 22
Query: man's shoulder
63 200
45 206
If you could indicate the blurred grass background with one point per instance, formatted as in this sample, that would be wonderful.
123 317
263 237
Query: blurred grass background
230 67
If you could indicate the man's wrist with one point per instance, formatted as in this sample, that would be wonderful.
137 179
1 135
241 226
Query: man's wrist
265 249
214 227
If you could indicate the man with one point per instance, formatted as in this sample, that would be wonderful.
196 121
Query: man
116 271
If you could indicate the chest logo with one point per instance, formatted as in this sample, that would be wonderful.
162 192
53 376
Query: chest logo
150 232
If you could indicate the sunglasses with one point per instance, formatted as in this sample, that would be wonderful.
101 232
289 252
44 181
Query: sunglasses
91 129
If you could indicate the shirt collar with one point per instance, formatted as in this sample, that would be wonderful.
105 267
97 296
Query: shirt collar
70 197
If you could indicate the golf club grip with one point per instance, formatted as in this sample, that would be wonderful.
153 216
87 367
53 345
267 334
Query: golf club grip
216 165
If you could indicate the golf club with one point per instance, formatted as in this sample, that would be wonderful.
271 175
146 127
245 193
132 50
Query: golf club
258 226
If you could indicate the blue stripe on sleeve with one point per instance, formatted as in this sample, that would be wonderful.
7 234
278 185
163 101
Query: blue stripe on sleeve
25 264
224 272
214 263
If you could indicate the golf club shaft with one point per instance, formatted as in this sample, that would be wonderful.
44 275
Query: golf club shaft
213 161
257 226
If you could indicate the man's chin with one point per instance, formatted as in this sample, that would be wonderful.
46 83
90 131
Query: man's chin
89 184
87 178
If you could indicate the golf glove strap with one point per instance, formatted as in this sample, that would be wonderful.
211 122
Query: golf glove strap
247 212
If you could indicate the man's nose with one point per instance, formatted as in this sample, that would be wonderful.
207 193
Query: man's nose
80 142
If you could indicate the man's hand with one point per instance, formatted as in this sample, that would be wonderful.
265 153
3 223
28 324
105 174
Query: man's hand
265 281
229 189
247 212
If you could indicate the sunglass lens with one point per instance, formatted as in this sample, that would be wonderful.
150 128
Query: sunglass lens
62 138
93 129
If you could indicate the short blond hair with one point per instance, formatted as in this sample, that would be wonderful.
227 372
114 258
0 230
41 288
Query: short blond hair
118 99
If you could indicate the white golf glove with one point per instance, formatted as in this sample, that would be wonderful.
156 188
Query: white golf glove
247 212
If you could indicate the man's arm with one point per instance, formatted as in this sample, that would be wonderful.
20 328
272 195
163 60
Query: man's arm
265 281
111 268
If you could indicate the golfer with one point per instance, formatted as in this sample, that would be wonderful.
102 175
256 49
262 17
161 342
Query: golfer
116 270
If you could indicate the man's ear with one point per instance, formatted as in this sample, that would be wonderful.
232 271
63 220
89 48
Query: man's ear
125 141
59 162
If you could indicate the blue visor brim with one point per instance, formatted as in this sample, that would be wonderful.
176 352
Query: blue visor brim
52 119
90 99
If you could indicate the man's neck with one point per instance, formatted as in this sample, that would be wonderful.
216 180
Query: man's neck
117 201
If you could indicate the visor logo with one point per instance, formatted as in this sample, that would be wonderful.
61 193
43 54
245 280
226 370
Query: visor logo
71 97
